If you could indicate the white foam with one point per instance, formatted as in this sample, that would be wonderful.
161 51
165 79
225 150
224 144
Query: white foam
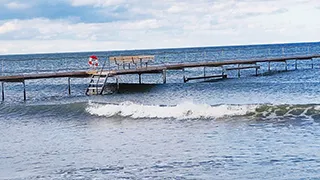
317 107
185 110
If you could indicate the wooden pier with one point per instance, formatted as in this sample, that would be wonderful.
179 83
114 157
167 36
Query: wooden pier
21 78
142 65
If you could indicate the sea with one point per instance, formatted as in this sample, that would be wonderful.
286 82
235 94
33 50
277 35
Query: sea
249 127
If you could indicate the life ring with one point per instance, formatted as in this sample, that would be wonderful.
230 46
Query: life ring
93 61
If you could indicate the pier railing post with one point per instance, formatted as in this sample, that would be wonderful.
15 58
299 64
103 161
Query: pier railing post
185 57
1 66
110 63
35 65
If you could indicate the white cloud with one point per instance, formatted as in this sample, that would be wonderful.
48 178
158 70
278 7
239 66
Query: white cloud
17 5
8 27
60 29
96 3
168 23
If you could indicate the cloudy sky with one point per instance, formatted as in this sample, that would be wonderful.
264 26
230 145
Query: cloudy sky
38 26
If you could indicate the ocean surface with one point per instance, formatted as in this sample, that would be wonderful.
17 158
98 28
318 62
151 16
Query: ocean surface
252 127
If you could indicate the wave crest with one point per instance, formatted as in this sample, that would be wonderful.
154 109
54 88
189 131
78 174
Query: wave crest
186 110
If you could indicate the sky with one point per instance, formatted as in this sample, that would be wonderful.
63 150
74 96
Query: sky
48 26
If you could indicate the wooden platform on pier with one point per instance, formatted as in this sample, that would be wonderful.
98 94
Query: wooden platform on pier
233 62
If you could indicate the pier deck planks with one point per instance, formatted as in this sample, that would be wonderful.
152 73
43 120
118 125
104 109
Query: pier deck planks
21 78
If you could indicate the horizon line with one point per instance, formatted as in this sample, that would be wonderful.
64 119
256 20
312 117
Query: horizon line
163 48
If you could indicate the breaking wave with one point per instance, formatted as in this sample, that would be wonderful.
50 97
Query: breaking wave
186 110
189 110
181 111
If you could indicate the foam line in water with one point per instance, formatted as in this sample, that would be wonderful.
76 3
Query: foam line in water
186 110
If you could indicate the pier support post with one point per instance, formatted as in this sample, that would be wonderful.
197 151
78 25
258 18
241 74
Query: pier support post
117 82
24 91
238 71
2 90
296 65
256 71
222 71
140 81
204 71
69 86
286 65
312 63
164 76
184 76
269 68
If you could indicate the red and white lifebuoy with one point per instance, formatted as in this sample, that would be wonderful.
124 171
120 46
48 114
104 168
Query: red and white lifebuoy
93 61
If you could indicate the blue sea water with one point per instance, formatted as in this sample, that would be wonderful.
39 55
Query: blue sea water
252 127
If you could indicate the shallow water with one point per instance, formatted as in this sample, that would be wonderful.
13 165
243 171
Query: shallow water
85 146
